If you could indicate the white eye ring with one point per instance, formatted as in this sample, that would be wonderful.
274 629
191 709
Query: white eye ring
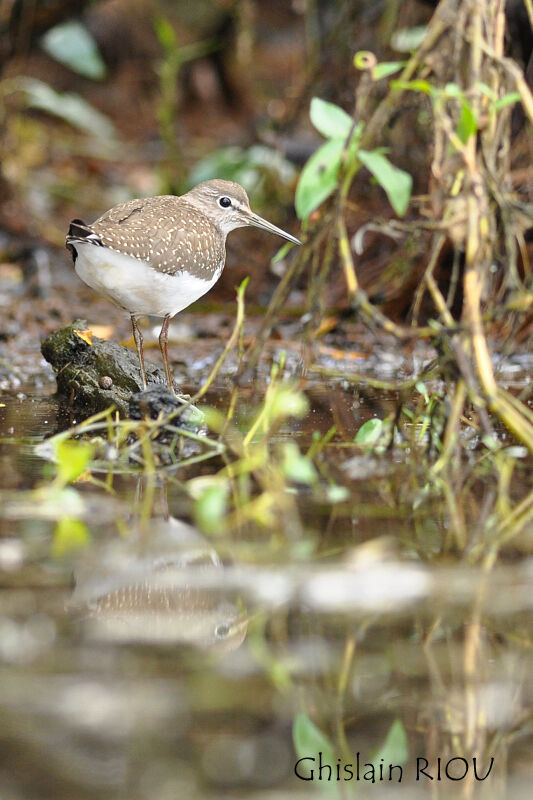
224 201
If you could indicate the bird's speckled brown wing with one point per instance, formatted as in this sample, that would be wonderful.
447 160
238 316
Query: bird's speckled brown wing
167 232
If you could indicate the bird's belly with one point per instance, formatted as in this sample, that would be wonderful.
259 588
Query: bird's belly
134 285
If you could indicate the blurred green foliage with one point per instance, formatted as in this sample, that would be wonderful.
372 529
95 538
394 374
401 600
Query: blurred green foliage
72 45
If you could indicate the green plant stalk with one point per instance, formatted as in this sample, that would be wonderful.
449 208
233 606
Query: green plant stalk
147 504
235 334
375 383
516 520
360 299
249 362
318 445
264 413
342 685
452 427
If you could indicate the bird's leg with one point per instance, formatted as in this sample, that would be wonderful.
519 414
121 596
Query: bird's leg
138 337
163 339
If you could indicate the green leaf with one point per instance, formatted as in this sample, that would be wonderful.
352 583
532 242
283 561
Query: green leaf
297 467
394 749
289 403
69 534
385 69
72 459
211 507
506 100
67 106
467 125
414 86
370 432
319 177
249 167
282 252
453 90
71 44
330 120
406 40
487 90
491 442
337 494
165 34
395 181
421 387
309 740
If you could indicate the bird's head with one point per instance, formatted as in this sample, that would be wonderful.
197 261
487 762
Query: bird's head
226 204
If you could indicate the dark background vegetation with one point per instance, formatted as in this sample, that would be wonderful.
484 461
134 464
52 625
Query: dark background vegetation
264 63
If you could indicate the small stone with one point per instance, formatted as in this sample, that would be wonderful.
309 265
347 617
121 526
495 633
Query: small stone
105 382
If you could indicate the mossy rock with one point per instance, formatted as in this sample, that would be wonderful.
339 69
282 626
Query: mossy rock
93 374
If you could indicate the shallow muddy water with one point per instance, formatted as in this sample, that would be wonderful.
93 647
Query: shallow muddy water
155 660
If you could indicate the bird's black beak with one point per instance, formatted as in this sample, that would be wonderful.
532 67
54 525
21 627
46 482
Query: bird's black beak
259 222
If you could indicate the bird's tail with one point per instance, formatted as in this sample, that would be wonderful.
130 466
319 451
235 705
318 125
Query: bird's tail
79 232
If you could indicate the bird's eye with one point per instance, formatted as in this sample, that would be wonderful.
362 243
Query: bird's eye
222 630
224 202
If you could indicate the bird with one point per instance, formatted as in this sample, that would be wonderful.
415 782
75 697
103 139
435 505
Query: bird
155 256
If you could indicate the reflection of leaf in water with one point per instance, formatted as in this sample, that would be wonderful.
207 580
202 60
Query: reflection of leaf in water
69 535
394 749
67 106
308 742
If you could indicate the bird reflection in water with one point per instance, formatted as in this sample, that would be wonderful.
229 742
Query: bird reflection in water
164 585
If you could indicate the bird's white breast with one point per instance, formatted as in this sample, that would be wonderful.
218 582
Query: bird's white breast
134 285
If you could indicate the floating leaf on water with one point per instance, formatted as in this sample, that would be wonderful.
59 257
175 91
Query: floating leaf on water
369 432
